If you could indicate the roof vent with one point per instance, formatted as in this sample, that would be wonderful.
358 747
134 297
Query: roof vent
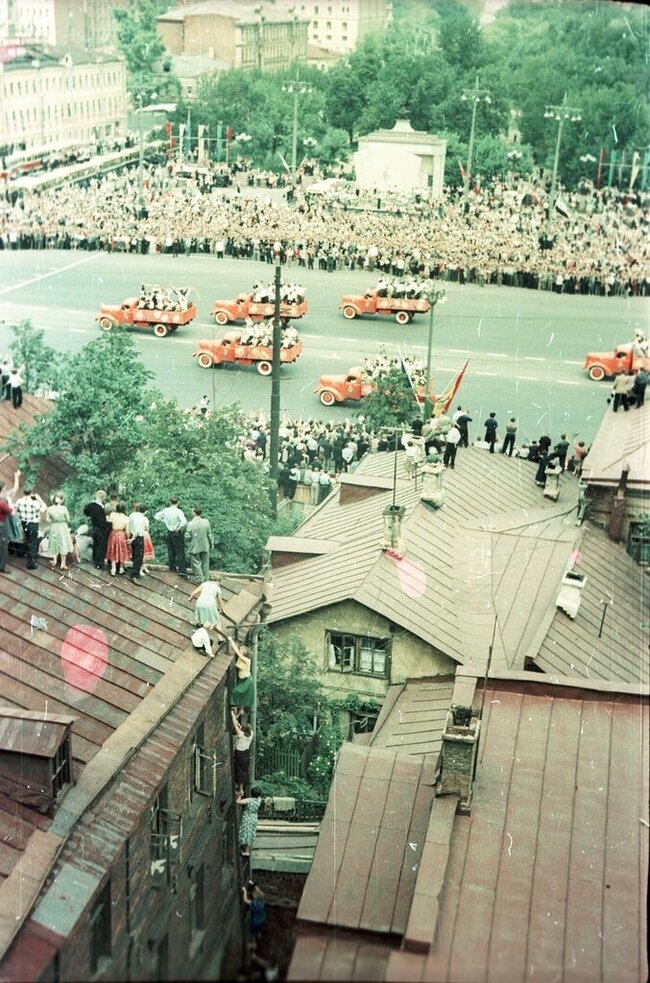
570 595
35 757
393 538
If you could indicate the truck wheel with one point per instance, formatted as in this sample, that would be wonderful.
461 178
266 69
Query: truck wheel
106 323
221 317
327 398
349 312
596 372
264 368
402 317
204 360
160 330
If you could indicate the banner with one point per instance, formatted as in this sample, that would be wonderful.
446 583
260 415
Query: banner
646 167
407 375
634 170
621 167
201 145
444 401
181 140
601 166
612 161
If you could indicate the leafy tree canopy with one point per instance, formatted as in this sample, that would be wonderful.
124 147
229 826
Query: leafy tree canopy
44 367
147 65
392 404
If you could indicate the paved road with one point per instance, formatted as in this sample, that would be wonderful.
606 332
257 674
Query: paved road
526 348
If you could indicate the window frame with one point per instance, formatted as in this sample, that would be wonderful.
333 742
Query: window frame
100 931
354 643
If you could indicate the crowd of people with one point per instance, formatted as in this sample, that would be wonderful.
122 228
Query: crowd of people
407 289
156 298
601 248
261 333
290 293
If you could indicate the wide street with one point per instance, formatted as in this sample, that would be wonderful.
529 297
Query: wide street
526 348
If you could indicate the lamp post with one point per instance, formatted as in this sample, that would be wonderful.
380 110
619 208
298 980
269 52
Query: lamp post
560 114
434 297
295 88
476 96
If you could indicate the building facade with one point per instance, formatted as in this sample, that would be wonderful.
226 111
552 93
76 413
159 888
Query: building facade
340 25
243 35
401 159
73 23
50 99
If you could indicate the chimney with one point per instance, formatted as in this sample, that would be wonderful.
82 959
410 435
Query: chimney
393 538
459 749
617 514
571 593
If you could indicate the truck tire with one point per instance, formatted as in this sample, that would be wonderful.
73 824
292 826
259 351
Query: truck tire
205 360
349 312
160 330
106 323
402 317
596 373
221 318
327 398
264 368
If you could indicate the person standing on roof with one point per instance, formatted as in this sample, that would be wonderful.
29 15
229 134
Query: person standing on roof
491 431
30 508
199 540
96 512
509 439
175 523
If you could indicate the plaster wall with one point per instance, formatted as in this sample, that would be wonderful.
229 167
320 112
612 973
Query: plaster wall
400 167
410 656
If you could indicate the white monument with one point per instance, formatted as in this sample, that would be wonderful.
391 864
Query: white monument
401 159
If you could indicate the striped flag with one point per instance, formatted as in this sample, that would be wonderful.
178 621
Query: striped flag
634 171
443 402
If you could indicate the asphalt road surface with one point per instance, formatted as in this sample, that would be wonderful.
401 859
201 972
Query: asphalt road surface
526 348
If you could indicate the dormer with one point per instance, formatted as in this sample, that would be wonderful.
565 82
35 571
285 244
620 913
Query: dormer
35 757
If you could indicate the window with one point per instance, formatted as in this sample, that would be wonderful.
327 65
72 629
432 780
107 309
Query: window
204 766
638 541
358 653
100 930
166 832
61 769
362 722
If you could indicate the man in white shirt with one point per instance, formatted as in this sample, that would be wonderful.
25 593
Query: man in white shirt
137 528
16 385
175 522
452 438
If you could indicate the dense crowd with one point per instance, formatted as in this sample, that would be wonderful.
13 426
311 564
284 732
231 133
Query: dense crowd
600 248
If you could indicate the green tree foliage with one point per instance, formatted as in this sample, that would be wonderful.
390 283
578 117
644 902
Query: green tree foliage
392 404
44 367
144 53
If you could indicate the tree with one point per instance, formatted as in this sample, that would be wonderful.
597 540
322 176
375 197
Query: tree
144 52
93 425
44 367
392 404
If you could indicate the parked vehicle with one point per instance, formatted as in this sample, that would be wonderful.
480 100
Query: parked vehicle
225 311
229 349
601 365
403 308
130 314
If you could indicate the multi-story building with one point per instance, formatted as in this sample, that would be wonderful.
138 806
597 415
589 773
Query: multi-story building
74 23
49 98
244 35
339 25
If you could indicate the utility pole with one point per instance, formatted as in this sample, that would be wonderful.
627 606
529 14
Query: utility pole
561 114
295 88
434 297
476 95
274 450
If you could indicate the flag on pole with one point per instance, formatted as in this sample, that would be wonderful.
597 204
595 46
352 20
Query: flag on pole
463 172
620 169
181 140
201 144
644 175
612 162
601 165
562 207
229 133
634 170
443 402
407 375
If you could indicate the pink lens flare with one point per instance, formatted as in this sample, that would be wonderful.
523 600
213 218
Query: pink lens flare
84 657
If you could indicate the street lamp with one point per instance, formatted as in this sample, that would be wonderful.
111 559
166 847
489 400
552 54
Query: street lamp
560 114
434 297
476 96
141 154
295 88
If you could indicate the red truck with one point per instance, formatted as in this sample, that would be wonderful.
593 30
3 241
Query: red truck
601 365
225 311
354 385
130 314
404 308
229 349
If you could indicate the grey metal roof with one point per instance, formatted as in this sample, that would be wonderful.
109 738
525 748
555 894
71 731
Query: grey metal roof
414 719
622 441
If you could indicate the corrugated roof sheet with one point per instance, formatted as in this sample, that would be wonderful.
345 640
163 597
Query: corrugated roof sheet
622 441
572 647
427 590
545 879
370 842
415 720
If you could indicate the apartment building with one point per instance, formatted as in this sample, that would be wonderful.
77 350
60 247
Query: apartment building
49 98
74 23
339 25
262 36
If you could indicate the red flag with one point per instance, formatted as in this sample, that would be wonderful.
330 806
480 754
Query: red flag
463 172
229 133
443 401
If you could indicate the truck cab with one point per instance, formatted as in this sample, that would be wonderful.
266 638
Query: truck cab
354 385
602 365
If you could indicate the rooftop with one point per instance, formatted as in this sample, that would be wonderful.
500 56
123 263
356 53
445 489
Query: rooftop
622 442
240 10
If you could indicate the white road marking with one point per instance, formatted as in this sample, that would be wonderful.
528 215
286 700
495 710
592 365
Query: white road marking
534 358
461 351
568 362
81 331
497 354
528 378
44 276
566 382
486 373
